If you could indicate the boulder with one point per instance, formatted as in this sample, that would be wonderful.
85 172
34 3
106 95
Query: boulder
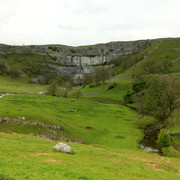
63 147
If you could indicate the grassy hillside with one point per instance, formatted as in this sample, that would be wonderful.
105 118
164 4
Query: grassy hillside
7 84
112 125
32 64
115 94
168 50
27 157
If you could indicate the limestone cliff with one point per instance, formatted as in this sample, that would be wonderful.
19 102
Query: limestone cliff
79 60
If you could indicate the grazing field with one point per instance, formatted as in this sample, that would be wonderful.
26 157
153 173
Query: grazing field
28 157
112 125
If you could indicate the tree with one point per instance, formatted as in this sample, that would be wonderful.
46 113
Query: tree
101 74
164 66
77 94
52 89
137 87
149 67
96 76
32 68
158 99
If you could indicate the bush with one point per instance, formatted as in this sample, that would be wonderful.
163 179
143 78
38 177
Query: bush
52 89
91 85
50 77
146 122
64 80
3 67
14 73
129 96
163 139
77 94
112 86
62 93
138 86
166 151
72 50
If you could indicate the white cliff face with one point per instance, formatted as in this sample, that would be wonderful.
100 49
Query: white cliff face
88 60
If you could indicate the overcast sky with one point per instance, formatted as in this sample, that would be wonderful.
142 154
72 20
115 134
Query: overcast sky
81 22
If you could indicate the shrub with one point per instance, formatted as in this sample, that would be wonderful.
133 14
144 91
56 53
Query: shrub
50 77
62 93
72 50
146 122
111 86
163 139
91 85
138 86
129 96
3 67
53 48
14 73
64 80
166 151
52 89
77 94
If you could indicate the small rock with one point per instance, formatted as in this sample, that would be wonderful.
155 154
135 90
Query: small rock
63 147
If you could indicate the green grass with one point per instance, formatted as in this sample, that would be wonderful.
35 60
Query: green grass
8 79
109 121
99 88
111 149
166 51
135 58
176 67
18 59
115 94
28 157
8 84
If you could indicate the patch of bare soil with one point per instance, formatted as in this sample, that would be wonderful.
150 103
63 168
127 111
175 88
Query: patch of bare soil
23 156
116 160
41 154
52 160
153 166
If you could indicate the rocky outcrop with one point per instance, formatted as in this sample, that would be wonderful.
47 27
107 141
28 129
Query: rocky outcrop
21 120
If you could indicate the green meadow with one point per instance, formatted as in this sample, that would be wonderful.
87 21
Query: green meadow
28 157
102 131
